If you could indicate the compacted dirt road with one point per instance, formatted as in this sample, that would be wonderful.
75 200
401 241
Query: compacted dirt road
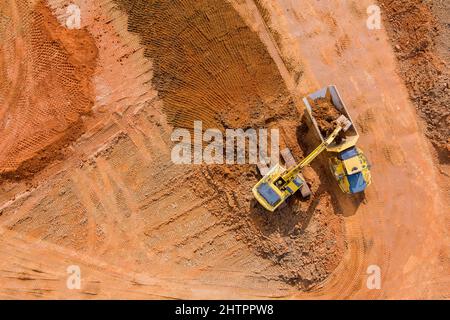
98 190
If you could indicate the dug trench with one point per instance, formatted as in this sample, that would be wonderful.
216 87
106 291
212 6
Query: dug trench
210 66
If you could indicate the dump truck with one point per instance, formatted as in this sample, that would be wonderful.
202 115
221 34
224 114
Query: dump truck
348 164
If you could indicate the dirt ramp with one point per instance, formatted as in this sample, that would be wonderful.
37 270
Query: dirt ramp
48 71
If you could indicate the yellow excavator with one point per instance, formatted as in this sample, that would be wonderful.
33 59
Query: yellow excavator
279 184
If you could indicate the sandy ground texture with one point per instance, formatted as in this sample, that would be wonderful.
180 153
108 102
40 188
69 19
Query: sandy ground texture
86 176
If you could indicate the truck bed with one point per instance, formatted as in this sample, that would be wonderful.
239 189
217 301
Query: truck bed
350 136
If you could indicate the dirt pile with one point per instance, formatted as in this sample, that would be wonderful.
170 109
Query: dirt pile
210 66
414 32
46 87
325 114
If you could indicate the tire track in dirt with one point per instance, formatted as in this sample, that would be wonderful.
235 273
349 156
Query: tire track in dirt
90 204
43 111
211 261
37 278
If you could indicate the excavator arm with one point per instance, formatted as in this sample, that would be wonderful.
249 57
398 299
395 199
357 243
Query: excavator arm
292 173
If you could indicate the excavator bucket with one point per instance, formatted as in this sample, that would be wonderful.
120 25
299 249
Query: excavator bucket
344 123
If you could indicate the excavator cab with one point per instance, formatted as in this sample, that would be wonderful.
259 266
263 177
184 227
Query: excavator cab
273 189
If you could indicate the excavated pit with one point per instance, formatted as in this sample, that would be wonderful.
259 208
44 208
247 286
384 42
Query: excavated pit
209 66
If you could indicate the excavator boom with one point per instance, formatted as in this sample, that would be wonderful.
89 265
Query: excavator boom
292 173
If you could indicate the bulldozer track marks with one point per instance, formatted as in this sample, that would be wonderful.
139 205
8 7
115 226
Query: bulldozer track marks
108 198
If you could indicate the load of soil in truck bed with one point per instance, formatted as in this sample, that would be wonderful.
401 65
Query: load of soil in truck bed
326 115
